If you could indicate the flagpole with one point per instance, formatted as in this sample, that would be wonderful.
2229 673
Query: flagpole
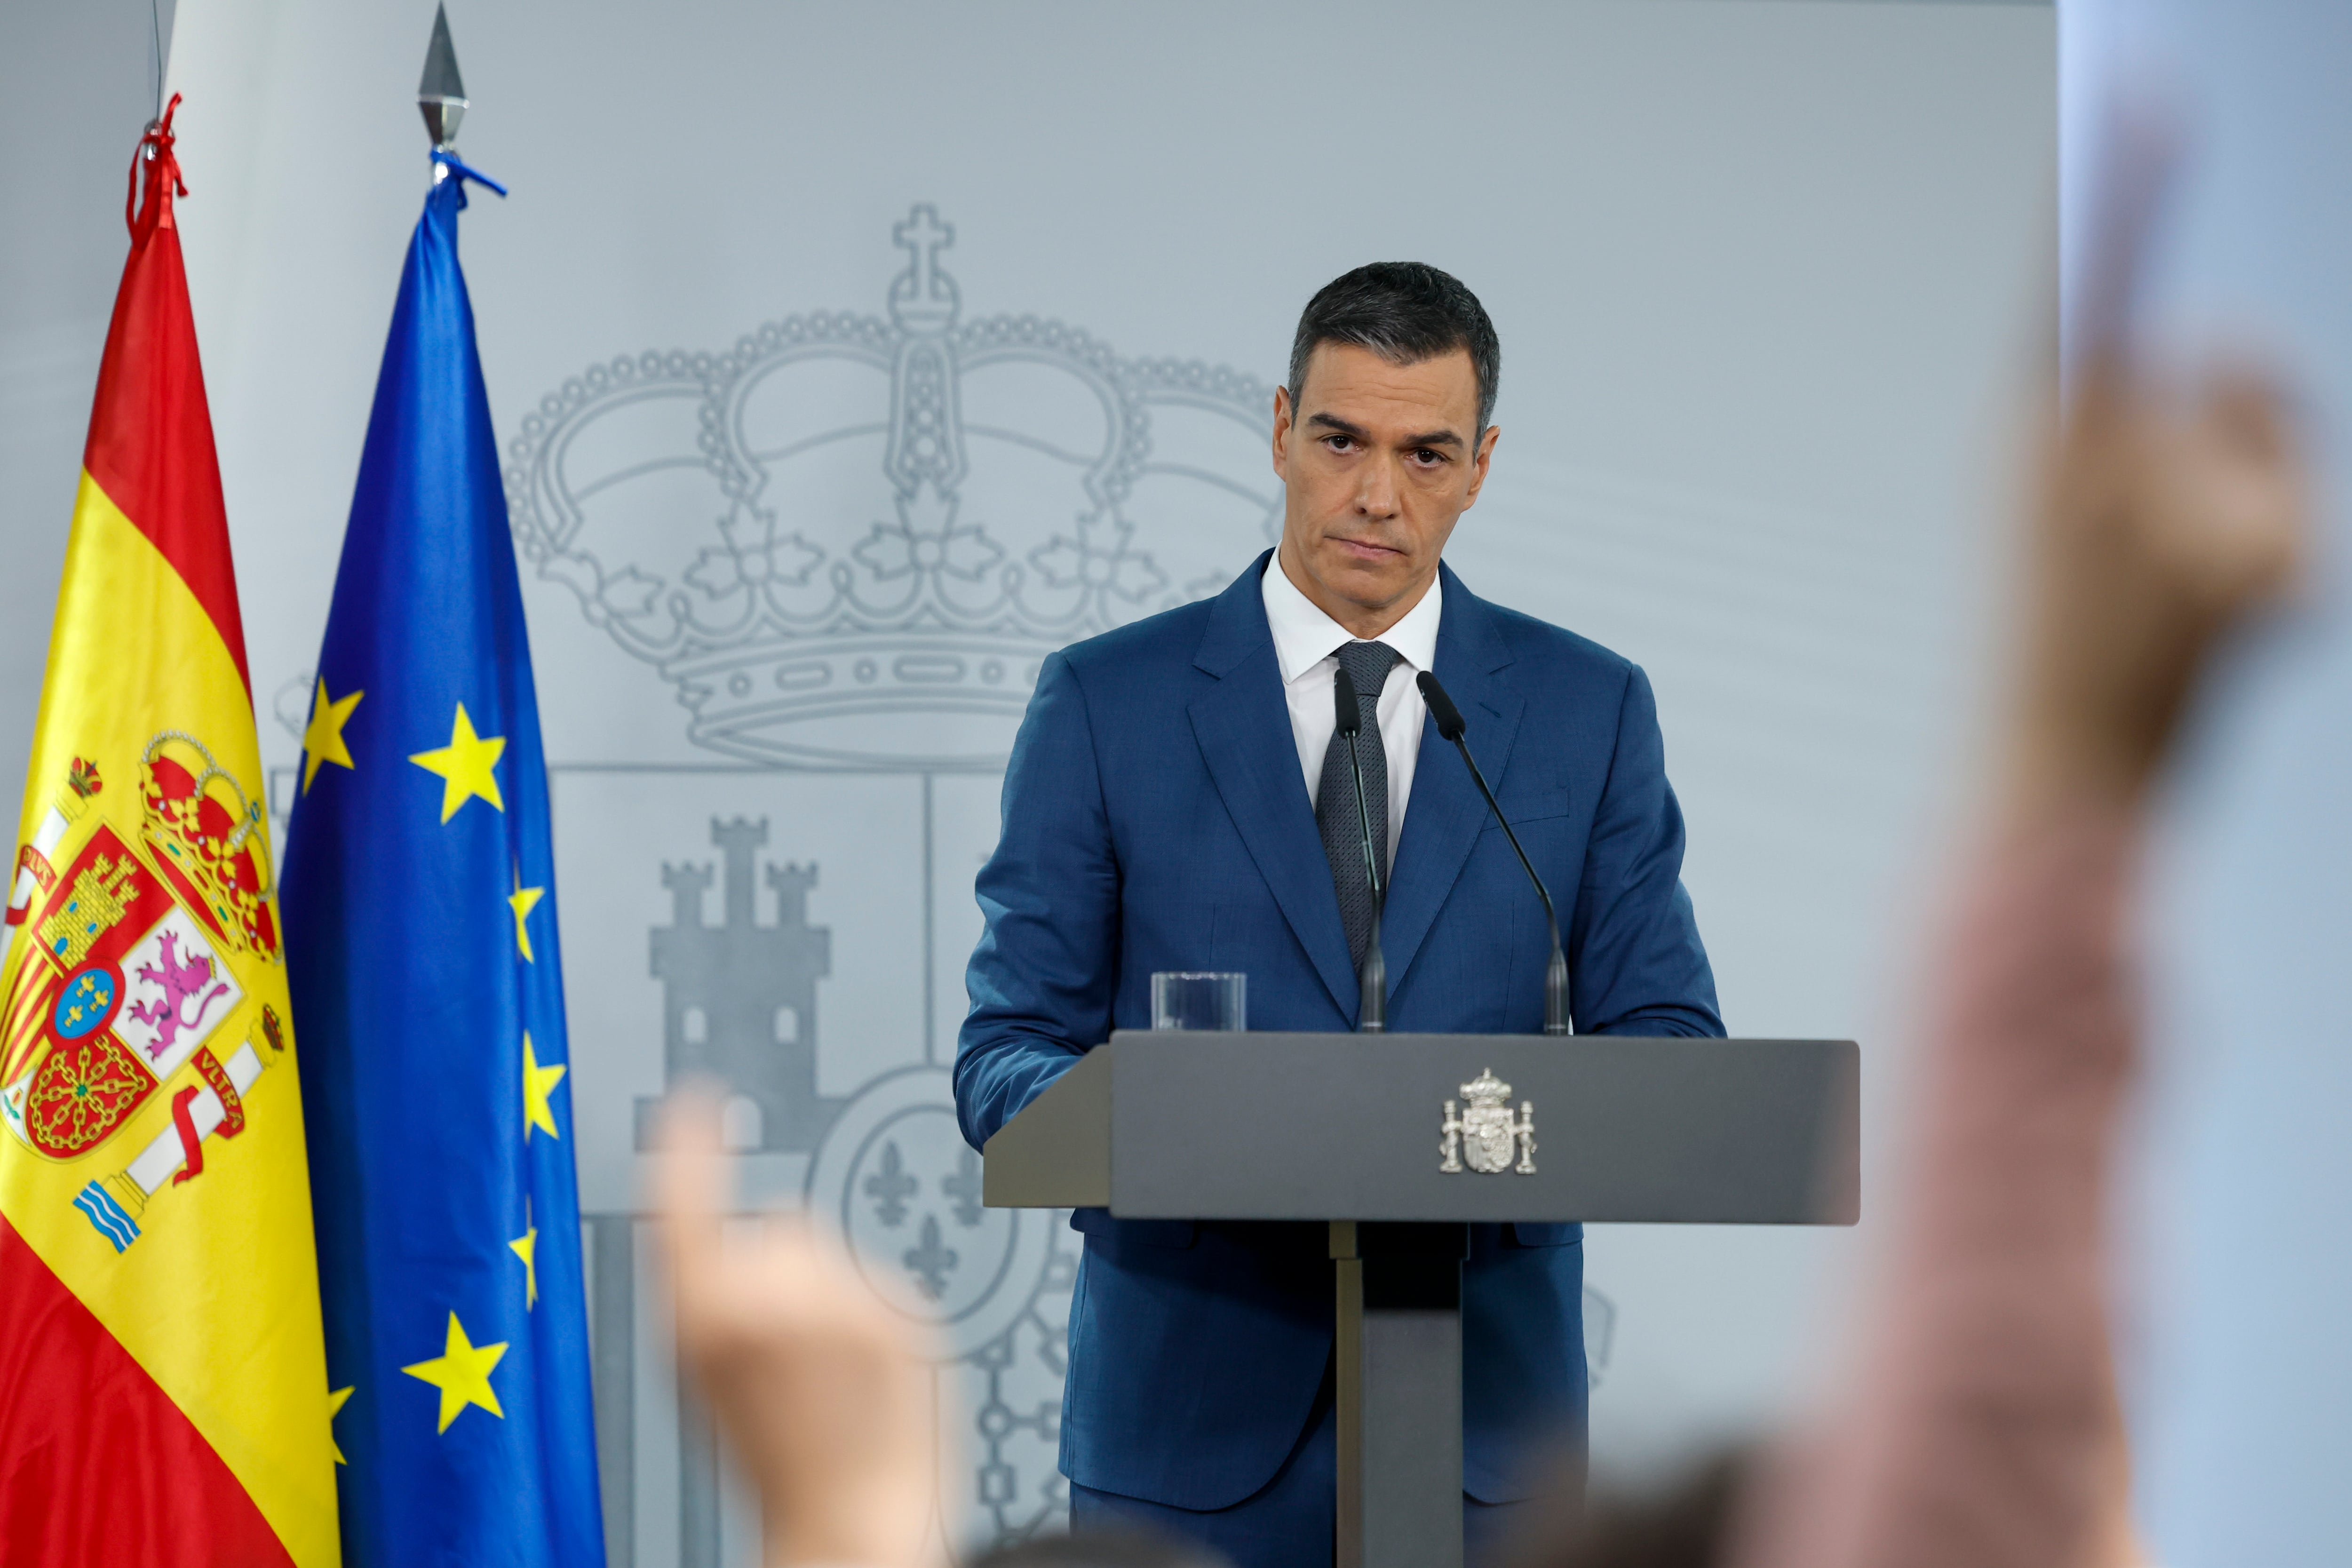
155 23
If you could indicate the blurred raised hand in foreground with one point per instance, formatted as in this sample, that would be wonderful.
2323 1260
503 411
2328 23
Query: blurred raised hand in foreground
1977 1424
823 1395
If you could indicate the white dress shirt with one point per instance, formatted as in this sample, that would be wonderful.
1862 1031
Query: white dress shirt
1305 642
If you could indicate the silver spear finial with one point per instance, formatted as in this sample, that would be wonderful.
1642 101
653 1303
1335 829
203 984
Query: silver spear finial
441 94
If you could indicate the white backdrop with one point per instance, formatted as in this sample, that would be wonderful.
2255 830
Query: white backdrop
1766 276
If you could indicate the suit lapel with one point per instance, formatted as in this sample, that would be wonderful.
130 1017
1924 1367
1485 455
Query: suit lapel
1444 814
1242 725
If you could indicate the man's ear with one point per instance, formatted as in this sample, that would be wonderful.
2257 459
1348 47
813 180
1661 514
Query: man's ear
1282 434
1479 461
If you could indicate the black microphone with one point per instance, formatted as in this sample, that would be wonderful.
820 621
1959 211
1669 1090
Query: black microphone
1372 976
1448 718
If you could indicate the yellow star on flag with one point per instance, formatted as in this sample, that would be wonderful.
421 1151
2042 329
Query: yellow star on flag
465 765
538 1083
323 742
522 901
336 1399
462 1372
524 1247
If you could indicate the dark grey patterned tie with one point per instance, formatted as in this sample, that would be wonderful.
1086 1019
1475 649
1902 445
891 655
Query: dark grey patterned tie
1368 665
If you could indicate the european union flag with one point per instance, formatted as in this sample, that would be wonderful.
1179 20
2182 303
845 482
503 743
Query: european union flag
428 999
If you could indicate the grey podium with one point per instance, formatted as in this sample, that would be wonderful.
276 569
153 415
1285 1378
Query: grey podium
1399 1142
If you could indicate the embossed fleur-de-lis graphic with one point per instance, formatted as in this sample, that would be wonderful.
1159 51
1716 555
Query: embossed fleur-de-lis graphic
963 1189
931 1262
890 1187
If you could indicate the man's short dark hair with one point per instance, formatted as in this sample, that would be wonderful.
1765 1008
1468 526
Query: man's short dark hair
1405 312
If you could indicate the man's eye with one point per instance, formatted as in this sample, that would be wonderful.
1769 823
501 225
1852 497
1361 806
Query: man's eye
1337 443
1427 455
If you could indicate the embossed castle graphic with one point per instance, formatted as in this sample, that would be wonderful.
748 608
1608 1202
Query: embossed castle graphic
739 998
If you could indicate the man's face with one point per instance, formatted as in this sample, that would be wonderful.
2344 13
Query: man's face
1378 460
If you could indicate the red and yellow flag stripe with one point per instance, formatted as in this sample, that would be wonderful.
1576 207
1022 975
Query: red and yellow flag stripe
162 1376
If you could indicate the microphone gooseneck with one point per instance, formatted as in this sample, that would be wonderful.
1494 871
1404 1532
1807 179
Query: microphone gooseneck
1373 975
1450 726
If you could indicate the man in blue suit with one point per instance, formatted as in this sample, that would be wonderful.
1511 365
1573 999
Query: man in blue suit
1174 803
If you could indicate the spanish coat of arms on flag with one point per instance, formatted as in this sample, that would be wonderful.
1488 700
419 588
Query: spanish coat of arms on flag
160 1341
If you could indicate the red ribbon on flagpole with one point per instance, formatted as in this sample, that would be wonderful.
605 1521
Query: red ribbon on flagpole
154 151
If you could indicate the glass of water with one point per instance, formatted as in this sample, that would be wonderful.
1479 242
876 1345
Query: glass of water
1191 1000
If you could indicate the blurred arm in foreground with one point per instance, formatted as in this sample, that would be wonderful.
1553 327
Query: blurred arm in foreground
1979 1426
1981 1429
822 1394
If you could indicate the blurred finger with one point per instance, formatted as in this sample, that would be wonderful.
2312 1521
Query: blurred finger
691 1185
2133 166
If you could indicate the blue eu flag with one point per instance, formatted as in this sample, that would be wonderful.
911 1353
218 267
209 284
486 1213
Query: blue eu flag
428 997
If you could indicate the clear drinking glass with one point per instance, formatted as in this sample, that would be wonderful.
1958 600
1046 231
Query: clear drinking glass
1199 1001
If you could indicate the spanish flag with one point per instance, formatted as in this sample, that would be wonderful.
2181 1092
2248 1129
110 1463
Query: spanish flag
162 1377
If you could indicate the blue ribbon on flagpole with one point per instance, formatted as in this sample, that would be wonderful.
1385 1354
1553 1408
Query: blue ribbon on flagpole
447 163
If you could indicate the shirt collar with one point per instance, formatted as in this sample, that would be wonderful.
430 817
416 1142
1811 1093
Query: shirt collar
1304 636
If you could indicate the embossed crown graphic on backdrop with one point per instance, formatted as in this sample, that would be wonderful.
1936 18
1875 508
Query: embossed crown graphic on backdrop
849 540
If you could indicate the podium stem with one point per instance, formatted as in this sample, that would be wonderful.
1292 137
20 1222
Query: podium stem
1397 1356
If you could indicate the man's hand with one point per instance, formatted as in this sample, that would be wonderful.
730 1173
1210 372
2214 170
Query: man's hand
821 1392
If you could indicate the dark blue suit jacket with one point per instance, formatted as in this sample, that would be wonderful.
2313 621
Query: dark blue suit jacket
1155 819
